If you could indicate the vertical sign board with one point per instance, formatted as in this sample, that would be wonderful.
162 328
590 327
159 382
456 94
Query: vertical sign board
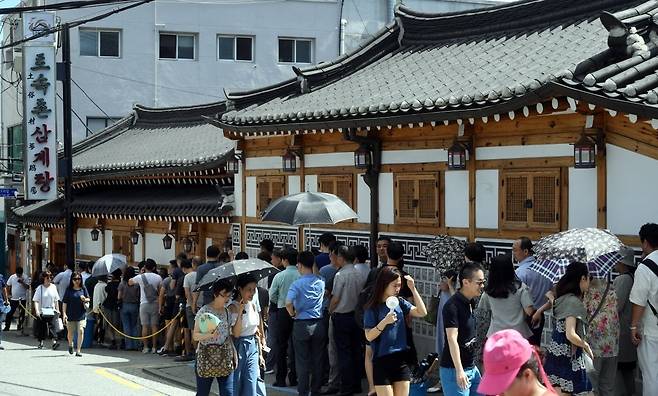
39 114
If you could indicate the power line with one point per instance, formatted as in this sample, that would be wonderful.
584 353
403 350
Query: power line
66 5
145 83
74 24
77 116
90 99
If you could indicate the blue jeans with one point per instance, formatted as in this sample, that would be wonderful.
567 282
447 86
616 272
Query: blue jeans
2 319
449 381
245 376
203 385
129 316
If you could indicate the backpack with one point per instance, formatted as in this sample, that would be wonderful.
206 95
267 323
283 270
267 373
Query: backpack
149 291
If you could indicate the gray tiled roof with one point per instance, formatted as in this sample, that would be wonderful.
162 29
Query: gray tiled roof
473 62
627 68
154 140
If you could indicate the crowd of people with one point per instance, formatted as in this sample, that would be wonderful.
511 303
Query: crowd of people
327 320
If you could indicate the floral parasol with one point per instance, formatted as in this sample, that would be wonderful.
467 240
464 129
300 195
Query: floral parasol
445 252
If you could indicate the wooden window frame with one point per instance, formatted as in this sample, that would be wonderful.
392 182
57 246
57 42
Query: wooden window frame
124 235
334 180
416 178
530 223
270 181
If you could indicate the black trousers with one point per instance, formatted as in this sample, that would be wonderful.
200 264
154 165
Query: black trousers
15 306
348 350
43 328
535 338
284 324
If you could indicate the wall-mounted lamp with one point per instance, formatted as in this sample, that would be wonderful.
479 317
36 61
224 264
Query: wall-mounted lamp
167 240
584 151
290 159
458 155
362 157
233 163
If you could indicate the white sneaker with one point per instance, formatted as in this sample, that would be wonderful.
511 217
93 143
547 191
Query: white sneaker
146 350
153 350
435 389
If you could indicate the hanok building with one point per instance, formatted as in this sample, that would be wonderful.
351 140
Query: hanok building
152 185
522 119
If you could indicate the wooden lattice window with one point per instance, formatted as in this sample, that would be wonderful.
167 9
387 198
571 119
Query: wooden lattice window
121 243
417 198
268 188
340 185
530 199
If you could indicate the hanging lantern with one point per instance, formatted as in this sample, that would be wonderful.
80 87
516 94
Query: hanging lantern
233 165
134 237
166 241
362 157
289 161
457 156
94 234
188 244
584 153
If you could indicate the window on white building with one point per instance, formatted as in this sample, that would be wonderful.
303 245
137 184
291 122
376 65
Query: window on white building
177 46
239 48
103 43
294 50
95 124
15 148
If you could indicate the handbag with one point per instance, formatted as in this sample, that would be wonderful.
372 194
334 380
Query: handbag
47 313
58 325
5 308
215 360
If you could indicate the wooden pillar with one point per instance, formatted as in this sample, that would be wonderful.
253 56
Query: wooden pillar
243 175
471 191
601 187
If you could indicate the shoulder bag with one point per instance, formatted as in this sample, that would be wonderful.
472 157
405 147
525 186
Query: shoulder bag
47 313
654 268
215 360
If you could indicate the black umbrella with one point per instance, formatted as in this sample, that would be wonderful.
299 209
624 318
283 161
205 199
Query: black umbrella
309 208
256 267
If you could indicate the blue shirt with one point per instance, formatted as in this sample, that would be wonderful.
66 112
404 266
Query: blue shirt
306 295
3 284
322 260
328 273
394 337
537 284
75 310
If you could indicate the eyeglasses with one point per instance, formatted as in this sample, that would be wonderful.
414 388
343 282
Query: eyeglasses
480 282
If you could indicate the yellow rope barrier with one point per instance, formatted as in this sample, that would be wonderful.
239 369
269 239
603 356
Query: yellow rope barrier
141 338
172 321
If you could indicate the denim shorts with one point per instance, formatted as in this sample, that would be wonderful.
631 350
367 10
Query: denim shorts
449 381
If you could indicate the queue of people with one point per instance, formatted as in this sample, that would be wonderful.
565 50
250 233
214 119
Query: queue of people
328 320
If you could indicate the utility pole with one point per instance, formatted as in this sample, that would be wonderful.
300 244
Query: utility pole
65 78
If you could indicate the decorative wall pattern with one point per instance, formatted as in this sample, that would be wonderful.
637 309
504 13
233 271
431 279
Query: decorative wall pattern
235 236
281 236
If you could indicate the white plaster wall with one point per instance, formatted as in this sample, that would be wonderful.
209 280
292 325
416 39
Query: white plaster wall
294 184
414 156
257 163
486 198
108 242
237 191
87 246
311 182
527 151
208 243
582 198
137 249
250 191
156 250
386 199
456 198
363 199
33 235
632 190
329 159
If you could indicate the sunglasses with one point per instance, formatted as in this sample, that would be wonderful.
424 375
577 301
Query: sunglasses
77 279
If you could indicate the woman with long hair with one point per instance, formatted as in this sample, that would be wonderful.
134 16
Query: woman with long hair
46 307
386 331
74 307
565 360
507 298
129 300
216 357
247 331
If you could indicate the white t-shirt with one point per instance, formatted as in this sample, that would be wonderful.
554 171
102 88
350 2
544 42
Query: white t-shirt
188 282
62 281
46 297
85 276
250 317
645 288
18 291
154 280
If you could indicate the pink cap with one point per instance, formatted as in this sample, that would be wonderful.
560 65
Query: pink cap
504 354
